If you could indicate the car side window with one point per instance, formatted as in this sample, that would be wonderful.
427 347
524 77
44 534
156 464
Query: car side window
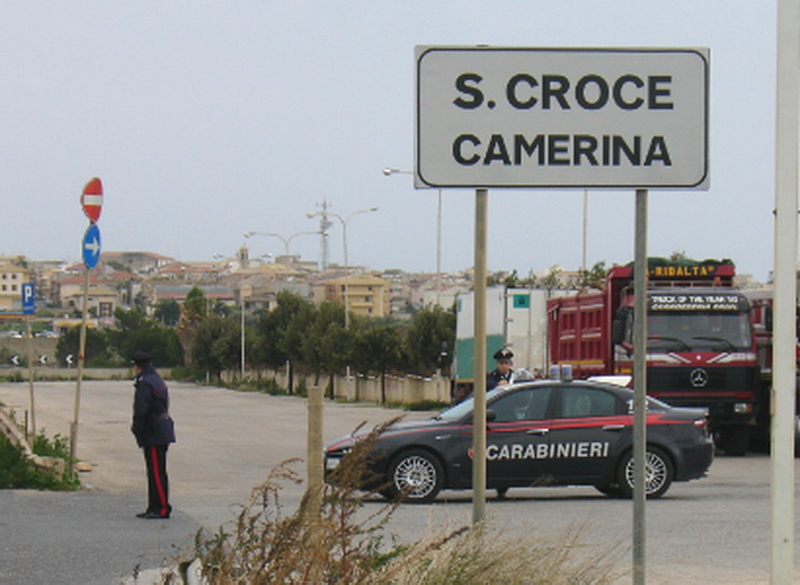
525 404
577 402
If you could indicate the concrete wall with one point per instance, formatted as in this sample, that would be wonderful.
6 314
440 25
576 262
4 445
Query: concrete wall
50 373
41 346
355 388
359 388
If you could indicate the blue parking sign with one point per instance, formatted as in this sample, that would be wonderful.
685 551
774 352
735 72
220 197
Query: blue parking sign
28 299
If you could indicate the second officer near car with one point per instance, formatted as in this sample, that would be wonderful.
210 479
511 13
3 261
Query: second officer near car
502 374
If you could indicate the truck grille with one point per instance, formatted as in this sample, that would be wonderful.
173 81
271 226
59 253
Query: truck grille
695 385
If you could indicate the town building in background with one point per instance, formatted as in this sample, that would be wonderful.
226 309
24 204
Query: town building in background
13 274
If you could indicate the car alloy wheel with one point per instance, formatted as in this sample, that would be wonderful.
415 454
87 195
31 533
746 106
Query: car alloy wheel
658 474
416 475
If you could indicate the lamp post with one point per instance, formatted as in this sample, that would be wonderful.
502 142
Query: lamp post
343 221
283 239
388 171
241 299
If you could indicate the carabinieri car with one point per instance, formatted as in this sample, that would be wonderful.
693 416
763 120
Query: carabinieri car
540 433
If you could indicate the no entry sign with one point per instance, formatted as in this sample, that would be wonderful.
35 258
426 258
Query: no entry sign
529 117
92 199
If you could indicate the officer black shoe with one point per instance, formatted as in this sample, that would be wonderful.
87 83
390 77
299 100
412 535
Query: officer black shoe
152 516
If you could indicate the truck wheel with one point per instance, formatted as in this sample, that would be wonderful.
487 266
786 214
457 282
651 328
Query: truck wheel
416 476
658 473
734 440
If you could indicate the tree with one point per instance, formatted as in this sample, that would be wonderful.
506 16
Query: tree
326 344
678 256
193 312
167 312
216 344
552 280
424 339
136 331
377 347
280 332
594 277
96 350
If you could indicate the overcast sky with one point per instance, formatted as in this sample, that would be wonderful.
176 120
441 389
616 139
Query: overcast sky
208 118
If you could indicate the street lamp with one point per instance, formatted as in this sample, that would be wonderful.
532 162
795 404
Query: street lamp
283 239
388 171
343 220
241 299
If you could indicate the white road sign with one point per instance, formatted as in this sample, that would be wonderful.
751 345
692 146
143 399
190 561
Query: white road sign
530 117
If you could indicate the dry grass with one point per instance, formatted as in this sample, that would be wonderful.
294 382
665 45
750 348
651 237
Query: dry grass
343 546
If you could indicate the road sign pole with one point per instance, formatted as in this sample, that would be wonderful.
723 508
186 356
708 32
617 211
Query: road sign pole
73 441
640 386
479 369
787 133
29 334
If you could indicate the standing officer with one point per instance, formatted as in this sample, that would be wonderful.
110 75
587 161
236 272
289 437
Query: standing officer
154 431
502 374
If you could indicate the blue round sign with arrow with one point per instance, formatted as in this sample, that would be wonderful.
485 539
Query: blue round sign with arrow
91 246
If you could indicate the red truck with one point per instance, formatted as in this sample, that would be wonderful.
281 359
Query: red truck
701 345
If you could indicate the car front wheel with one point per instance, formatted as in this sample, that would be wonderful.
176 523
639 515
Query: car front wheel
416 476
658 473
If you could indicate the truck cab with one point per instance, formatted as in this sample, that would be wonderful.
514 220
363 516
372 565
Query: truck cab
701 349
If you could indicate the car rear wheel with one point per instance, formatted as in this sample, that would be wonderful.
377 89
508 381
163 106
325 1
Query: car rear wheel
658 474
415 475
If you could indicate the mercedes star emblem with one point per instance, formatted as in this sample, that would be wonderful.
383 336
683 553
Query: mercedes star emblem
698 377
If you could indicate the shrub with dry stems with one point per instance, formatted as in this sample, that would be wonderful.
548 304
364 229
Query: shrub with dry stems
339 544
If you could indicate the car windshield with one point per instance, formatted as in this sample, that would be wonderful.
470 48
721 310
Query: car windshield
464 408
697 331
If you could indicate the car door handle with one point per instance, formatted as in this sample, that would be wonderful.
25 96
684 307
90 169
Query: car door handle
541 431
613 427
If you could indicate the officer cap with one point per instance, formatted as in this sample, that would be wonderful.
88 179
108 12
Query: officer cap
504 354
140 357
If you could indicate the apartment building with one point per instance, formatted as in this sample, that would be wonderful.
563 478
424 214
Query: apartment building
362 294
12 277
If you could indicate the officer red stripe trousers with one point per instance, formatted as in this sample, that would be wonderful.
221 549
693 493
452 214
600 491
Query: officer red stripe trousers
155 457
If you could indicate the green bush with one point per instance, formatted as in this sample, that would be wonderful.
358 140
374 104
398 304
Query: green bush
18 472
270 386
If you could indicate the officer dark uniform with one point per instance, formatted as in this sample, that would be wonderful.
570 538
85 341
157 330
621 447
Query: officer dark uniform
154 431
503 373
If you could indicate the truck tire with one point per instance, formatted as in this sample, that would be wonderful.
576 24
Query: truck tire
734 440
415 475
658 475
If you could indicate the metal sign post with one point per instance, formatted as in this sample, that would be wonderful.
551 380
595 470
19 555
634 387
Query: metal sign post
479 366
73 429
640 387
29 335
92 205
784 333
29 309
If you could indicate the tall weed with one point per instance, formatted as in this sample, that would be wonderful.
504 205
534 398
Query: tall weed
342 545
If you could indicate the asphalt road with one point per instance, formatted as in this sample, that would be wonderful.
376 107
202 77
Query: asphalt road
715 530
